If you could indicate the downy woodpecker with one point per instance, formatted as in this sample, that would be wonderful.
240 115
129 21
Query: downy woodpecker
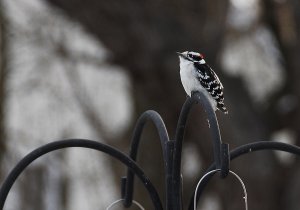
196 75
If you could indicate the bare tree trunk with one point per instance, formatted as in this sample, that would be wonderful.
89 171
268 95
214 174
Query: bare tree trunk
284 21
3 76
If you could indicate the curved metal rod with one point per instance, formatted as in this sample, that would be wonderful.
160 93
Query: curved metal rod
136 138
197 97
245 149
140 124
18 169
117 201
264 145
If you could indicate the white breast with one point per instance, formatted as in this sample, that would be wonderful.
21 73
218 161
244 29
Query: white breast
189 80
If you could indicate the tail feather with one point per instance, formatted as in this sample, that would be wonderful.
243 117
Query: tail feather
222 108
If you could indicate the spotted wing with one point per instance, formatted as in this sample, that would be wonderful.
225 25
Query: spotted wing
211 82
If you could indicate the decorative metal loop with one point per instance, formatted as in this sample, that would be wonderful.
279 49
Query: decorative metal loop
117 201
35 154
153 116
219 170
248 149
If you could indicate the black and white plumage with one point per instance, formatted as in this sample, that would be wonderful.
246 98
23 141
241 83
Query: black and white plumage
196 75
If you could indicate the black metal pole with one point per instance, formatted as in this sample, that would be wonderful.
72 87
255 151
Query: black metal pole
197 97
18 169
172 149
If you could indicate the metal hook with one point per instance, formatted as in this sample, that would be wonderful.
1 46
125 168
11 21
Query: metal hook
117 201
218 170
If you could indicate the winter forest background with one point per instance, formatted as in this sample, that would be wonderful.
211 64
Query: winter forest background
88 69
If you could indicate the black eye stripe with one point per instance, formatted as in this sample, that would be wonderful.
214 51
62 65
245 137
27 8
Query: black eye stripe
194 57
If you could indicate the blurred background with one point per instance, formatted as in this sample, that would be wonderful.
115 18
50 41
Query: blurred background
88 69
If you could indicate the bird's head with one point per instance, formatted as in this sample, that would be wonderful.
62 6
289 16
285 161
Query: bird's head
192 56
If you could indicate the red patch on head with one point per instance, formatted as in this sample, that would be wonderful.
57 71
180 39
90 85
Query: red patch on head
201 55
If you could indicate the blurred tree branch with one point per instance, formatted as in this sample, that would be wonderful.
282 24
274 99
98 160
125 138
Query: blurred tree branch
284 20
84 101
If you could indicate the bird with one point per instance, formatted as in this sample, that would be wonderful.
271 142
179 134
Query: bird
197 75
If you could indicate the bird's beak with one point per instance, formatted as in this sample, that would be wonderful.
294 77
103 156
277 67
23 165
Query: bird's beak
180 54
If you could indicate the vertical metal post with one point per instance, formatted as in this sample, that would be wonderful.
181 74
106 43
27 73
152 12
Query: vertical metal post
169 169
216 137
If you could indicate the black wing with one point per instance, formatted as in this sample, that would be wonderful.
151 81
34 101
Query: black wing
210 81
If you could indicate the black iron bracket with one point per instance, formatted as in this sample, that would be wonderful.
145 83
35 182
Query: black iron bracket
172 150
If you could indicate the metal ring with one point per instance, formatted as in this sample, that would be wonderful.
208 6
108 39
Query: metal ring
117 201
218 170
